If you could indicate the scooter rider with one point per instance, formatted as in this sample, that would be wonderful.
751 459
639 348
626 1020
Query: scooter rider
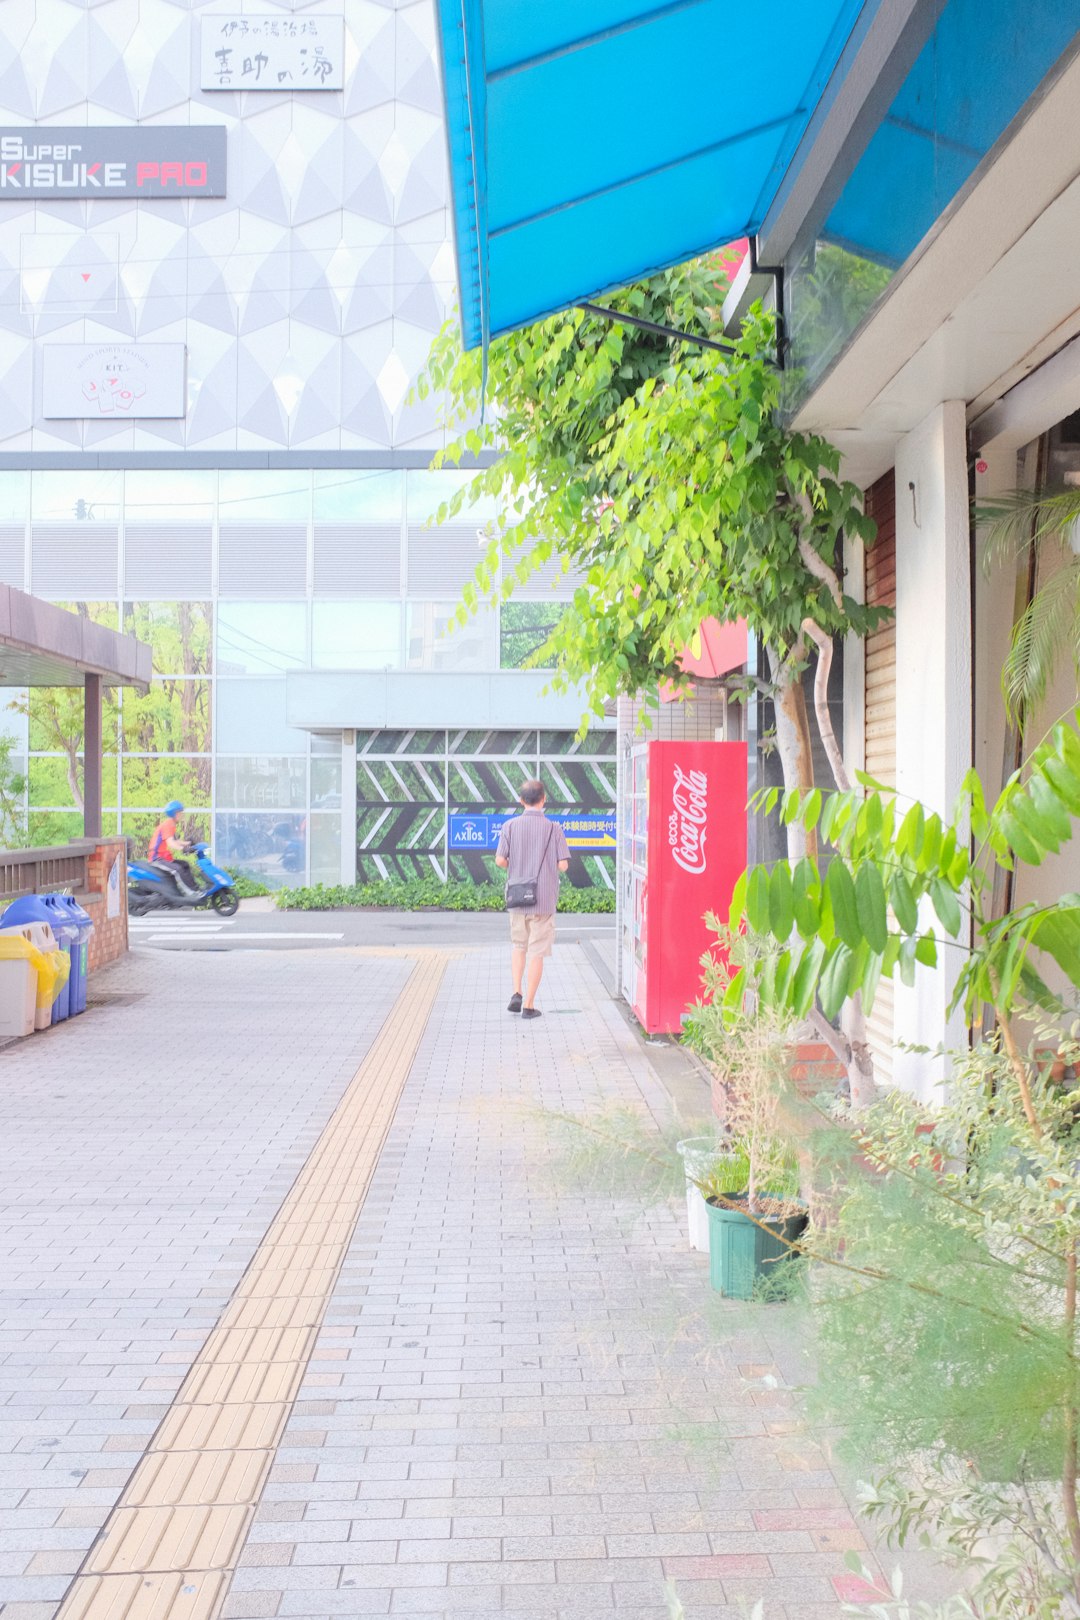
167 850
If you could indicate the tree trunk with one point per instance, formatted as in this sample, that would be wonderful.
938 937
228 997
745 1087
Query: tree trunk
857 1058
793 745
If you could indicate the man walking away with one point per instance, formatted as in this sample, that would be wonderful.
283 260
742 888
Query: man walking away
532 849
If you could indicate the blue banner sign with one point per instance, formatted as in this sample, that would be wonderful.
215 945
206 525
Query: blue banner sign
587 834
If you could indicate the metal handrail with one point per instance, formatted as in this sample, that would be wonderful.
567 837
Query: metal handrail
43 871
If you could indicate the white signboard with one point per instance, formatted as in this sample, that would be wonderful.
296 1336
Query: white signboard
112 895
113 380
273 52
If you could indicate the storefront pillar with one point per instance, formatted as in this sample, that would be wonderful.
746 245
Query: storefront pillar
933 693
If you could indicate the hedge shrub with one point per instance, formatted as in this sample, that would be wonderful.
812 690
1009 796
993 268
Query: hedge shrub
417 894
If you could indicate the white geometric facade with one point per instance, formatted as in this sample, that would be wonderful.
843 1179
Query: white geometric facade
307 297
281 523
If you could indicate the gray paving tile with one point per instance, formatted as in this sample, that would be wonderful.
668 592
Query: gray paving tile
491 1420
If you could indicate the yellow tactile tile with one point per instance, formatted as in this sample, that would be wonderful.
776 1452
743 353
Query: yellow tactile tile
145 1597
220 1428
160 1538
288 1282
245 1313
168 1547
228 1344
197 1477
241 1383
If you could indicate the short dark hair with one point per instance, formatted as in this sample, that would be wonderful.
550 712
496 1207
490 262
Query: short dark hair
533 793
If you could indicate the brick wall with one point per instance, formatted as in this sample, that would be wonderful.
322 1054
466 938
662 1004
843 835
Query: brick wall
110 937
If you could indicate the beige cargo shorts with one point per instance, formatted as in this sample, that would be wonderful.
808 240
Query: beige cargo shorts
533 935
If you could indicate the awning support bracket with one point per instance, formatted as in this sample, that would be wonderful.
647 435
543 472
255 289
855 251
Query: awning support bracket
674 334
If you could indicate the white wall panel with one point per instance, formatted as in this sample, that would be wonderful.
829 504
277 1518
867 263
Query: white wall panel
335 224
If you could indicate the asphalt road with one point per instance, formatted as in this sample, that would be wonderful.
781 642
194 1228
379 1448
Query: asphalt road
257 926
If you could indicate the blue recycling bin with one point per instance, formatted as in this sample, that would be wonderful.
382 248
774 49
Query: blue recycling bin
80 953
36 908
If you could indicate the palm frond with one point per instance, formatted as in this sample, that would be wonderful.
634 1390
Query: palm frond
1049 626
1023 518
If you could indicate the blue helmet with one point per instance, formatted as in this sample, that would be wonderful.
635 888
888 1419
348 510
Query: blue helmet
173 808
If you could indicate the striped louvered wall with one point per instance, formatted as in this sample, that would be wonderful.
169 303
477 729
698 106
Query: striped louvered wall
880 712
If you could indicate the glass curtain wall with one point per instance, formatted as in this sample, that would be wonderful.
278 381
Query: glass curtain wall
235 578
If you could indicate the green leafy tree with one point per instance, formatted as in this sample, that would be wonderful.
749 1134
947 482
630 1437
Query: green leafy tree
667 478
1038 524
12 798
56 723
524 632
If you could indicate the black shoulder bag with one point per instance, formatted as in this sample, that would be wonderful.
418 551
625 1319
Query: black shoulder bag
522 896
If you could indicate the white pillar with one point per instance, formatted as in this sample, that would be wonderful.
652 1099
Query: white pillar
933 688
348 807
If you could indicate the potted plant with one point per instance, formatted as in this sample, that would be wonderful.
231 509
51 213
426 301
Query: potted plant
755 1213
701 1156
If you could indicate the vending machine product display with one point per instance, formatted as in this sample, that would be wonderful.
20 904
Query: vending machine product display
683 848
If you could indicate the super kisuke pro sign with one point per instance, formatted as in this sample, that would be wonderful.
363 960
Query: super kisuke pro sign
129 160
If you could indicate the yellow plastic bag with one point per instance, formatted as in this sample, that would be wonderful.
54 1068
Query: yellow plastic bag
61 965
52 967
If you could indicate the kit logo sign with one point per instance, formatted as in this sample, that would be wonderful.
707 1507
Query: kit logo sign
130 160
113 380
687 824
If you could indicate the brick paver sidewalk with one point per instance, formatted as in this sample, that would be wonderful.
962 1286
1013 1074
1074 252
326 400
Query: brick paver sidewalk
516 1401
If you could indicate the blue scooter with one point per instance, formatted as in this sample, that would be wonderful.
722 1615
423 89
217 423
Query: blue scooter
152 887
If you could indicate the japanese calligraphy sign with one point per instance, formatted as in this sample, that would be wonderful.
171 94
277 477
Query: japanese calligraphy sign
97 160
297 51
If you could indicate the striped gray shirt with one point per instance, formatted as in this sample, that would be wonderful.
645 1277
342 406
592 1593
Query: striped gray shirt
521 844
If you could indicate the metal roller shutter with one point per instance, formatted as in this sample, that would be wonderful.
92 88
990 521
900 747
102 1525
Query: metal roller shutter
442 561
262 561
168 561
74 562
13 555
354 559
880 714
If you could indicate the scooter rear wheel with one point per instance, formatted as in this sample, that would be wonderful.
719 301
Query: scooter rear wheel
226 902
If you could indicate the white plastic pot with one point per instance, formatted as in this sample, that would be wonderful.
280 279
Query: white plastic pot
699 1154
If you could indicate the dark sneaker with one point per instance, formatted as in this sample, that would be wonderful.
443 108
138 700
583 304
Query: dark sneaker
531 1012
514 1004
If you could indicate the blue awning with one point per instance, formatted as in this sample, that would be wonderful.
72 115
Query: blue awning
593 142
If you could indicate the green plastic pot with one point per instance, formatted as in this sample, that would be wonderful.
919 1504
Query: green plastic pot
748 1257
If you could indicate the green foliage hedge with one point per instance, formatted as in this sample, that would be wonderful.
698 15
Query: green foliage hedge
421 893
247 887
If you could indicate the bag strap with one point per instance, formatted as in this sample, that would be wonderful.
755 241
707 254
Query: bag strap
547 846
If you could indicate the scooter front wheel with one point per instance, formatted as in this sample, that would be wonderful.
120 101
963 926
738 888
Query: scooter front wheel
226 902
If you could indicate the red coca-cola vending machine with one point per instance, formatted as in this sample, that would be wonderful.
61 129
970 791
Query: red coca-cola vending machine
682 849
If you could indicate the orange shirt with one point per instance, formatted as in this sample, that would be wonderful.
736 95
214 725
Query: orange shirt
159 844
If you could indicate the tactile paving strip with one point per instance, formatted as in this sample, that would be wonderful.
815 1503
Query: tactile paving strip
168 1548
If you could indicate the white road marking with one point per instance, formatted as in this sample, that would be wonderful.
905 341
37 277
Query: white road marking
290 933
173 935
203 926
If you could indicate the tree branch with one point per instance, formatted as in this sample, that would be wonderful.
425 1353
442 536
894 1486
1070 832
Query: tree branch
824 644
834 1039
815 564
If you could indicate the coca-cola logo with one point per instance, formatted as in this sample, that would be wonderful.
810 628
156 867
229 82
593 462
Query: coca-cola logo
687 829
